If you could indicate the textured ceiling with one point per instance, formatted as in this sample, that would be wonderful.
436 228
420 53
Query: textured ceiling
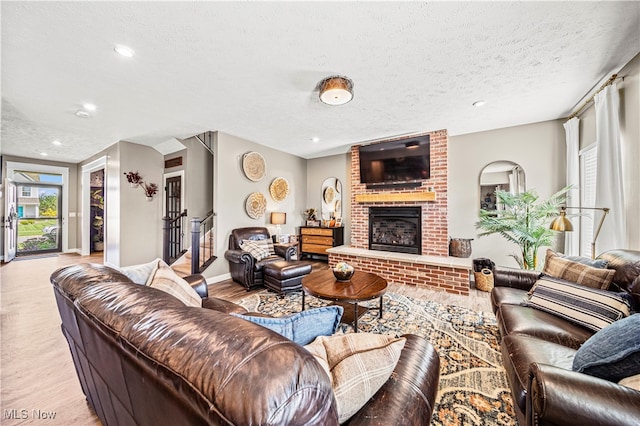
252 69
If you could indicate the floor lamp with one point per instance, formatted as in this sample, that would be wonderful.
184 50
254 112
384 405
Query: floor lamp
563 224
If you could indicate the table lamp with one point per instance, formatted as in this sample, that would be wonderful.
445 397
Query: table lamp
278 218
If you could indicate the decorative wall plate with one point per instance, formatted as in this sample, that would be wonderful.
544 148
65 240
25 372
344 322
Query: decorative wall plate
254 166
256 205
338 186
328 195
279 189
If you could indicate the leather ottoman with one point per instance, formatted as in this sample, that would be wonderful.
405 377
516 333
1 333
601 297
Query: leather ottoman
283 276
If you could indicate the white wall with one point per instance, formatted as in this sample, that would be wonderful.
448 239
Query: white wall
231 189
318 169
199 179
140 220
539 148
133 225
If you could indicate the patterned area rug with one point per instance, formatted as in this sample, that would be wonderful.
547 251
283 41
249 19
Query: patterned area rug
473 384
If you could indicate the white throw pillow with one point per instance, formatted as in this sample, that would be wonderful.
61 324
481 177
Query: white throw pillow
140 274
165 279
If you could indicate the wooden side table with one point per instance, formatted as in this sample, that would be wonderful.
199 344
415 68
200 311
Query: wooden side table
362 286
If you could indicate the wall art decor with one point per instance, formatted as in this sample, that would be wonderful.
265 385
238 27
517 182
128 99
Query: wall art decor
256 205
254 166
279 189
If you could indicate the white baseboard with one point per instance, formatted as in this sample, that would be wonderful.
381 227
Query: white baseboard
218 278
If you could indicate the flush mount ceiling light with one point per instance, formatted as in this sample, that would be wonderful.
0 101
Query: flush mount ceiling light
82 113
125 51
336 90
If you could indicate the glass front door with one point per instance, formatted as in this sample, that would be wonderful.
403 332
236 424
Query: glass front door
39 218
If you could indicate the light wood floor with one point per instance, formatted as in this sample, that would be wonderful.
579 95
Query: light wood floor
36 370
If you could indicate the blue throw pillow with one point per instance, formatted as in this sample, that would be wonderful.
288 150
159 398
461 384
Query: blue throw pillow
303 327
613 353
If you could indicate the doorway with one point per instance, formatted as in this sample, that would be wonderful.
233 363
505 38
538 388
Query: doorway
174 216
39 218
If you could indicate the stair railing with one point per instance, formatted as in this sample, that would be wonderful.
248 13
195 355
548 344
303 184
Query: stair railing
172 245
202 227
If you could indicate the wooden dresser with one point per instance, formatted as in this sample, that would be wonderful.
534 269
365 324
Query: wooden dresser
316 240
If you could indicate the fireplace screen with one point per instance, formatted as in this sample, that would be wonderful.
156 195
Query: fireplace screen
397 229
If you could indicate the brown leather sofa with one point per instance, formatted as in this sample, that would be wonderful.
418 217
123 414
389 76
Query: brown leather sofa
144 358
242 266
538 349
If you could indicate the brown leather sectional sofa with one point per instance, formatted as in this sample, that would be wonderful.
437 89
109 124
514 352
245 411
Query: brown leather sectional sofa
538 349
144 358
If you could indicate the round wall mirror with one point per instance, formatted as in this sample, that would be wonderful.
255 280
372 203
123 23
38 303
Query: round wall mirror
499 175
331 199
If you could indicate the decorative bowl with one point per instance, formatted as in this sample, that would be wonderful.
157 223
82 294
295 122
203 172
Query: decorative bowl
343 271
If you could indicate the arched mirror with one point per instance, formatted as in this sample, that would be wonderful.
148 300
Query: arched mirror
499 175
331 199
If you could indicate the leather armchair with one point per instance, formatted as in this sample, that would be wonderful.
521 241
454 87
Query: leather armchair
243 267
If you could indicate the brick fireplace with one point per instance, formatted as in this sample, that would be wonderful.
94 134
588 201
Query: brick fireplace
435 226
431 266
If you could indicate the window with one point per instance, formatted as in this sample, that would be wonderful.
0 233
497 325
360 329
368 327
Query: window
588 166
25 191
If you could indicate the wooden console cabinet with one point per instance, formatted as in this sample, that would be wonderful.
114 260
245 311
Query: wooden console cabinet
318 240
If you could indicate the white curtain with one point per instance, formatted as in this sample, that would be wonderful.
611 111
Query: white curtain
609 183
572 131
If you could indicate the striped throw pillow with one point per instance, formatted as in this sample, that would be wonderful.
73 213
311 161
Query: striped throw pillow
589 307
576 272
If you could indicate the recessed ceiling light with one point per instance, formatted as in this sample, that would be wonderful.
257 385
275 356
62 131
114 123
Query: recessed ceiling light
44 154
315 139
82 113
89 107
57 143
479 103
125 51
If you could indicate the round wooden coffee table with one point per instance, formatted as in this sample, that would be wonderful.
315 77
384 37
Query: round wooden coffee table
362 286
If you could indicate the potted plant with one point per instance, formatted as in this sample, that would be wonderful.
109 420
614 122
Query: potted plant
98 238
523 221
133 178
150 189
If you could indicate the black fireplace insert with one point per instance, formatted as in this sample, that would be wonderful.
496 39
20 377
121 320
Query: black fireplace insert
397 229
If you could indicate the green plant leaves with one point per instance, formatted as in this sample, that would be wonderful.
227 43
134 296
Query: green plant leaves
523 221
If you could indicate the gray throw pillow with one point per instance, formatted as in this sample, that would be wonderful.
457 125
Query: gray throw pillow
594 263
613 353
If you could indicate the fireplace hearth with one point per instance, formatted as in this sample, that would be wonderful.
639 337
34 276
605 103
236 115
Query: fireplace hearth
397 229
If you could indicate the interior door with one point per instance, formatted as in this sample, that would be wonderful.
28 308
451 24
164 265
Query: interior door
173 206
11 221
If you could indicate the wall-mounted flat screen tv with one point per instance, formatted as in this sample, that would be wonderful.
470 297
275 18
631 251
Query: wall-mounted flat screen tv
402 160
